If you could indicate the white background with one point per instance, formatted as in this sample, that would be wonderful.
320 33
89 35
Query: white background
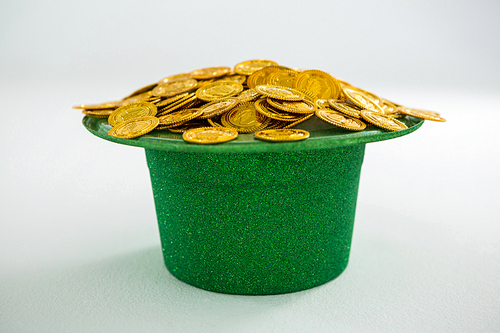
79 247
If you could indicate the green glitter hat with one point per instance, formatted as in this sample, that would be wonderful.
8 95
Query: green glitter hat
255 217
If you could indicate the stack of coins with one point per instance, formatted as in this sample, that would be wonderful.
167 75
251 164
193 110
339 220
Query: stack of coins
212 105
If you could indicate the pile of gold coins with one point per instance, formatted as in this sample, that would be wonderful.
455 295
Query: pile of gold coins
212 105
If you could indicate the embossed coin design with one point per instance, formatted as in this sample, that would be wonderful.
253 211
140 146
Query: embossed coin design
382 121
362 100
218 90
282 77
278 92
320 84
263 75
210 135
174 87
388 107
131 111
287 134
340 120
244 118
134 127
260 77
369 95
248 95
216 108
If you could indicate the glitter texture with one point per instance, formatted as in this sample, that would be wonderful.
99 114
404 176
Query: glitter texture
257 223
255 217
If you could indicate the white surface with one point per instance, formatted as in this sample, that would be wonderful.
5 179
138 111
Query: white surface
79 247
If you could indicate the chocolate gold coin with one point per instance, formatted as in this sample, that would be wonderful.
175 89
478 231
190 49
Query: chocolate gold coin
210 135
284 134
134 127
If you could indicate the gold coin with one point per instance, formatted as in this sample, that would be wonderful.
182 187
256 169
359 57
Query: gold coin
388 107
179 117
174 87
218 107
267 110
282 77
340 120
322 104
103 106
210 135
196 103
304 106
185 104
345 108
374 98
181 103
298 121
251 66
362 100
307 95
383 121
195 123
215 121
98 113
134 127
320 84
171 100
209 73
248 95
183 76
234 78
282 134
131 111
422 114
262 76
274 124
244 118
277 92
218 90
202 83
